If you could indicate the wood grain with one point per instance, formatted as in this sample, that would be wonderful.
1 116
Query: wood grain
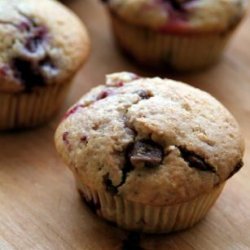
40 207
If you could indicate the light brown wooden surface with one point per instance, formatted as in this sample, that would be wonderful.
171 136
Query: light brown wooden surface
39 205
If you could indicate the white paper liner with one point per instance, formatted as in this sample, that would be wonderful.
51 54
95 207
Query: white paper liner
150 219
169 51
24 110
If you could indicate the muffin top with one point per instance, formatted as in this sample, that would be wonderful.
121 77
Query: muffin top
150 140
181 15
42 43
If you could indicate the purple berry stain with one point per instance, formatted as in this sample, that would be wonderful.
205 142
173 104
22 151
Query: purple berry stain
178 12
28 73
33 66
35 34
24 26
104 94
36 39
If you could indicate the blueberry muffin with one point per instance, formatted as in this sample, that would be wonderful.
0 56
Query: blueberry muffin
42 46
150 154
175 34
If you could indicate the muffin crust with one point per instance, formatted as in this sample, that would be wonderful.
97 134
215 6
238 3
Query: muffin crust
150 140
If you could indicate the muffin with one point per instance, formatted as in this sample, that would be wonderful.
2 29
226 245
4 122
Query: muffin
42 46
150 154
182 35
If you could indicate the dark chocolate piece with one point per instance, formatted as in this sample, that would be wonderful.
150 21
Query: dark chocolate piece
146 153
144 94
196 161
109 185
125 170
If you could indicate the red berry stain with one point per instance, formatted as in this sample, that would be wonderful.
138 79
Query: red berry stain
178 12
84 138
73 110
24 26
103 94
120 84
65 138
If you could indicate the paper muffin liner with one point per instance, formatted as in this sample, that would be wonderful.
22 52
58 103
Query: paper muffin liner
24 110
182 52
145 218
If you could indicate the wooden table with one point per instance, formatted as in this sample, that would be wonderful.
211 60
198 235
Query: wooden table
40 207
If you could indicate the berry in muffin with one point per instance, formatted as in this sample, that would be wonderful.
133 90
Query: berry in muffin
40 53
153 155
175 34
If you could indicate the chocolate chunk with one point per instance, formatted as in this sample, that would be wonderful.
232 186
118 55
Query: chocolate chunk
109 185
125 170
132 242
145 153
196 161
144 94
238 166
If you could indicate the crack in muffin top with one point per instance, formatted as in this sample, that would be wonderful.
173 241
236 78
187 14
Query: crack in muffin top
178 16
150 140
38 47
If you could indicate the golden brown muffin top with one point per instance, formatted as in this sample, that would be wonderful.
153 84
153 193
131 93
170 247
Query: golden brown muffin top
150 140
